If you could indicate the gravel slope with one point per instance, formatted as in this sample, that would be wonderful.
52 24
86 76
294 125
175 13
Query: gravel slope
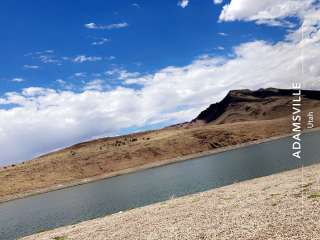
280 206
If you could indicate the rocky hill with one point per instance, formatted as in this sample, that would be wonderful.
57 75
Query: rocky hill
263 104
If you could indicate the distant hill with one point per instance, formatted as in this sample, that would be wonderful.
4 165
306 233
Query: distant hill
242 116
246 105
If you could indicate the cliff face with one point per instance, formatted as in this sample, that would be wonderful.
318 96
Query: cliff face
246 105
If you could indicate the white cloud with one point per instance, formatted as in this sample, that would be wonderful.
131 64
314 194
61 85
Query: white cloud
136 5
271 12
219 48
217 1
64 85
183 3
84 58
121 74
46 56
118 25
36 92
223 34
31 66
170 95
48 59
110 58
96 85
101 41
17 80
91 26
107 27
50 51
141 80
80 74
61 81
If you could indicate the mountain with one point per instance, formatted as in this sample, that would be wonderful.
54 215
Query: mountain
242 116
263 104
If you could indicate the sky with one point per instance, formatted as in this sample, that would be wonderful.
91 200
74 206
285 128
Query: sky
74 71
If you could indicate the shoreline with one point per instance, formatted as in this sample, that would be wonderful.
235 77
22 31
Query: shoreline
267 206
145 167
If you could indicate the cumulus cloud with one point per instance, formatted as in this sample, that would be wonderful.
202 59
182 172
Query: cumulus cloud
106 27
183 3
44 119
271 12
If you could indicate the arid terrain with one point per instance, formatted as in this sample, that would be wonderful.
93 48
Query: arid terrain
279 207
243 116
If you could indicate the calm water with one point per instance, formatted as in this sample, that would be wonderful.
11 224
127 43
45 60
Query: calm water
63 207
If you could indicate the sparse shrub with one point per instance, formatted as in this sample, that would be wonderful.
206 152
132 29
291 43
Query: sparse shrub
60 238
315 195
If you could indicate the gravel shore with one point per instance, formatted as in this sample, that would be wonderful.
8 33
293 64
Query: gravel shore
280 206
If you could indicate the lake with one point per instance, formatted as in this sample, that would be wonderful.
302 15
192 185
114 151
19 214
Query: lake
33 214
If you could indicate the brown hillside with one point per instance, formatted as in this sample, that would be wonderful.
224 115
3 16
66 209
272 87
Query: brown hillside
263 104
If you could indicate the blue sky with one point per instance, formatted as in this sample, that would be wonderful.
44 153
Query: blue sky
77 70
159 34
